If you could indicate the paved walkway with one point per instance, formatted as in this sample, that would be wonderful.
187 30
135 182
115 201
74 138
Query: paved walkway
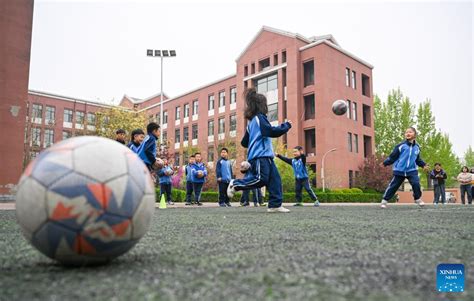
11 206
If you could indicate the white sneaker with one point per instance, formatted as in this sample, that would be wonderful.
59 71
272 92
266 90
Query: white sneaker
383 204
279 209
230 189
420 202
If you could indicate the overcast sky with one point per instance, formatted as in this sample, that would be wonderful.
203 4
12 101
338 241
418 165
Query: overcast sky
96 49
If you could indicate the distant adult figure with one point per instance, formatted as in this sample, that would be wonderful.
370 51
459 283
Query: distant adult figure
438 175
120 136
465 179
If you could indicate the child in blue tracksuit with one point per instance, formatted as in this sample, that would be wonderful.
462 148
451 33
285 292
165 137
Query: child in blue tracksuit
147 150
257 138
405 158
199 174
136 140
301 175
224 176
164 175
189 180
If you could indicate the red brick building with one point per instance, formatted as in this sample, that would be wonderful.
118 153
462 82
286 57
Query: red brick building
16 21
301 78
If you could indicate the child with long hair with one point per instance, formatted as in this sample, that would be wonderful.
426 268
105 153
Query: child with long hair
257 138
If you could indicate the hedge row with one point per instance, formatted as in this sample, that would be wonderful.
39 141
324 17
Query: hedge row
328 197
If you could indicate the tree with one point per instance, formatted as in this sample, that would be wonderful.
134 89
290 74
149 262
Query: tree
372 175
110 119
469 157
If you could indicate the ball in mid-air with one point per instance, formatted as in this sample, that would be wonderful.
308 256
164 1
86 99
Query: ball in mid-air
339 107
244 166
85 200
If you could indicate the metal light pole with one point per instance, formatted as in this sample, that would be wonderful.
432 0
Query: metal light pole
322 167
161 54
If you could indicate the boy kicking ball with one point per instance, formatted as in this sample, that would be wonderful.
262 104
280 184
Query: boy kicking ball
301 175
405 158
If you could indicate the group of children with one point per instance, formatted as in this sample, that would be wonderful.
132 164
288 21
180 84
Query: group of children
260 170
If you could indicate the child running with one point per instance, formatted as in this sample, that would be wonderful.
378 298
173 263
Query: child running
405 158
257 138
199 174
301 175
189 180
224 176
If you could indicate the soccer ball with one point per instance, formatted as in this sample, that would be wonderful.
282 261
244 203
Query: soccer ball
339 107
158 163
200 174
244 166
85 200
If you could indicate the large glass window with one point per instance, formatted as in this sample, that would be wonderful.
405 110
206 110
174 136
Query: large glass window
221 128
35 136
233 95
90 118
50 114
309 107
195 107
37 111
266 84
79 117
48 137
348 74
195 131
221 99
177 136
233 122
308 73
177 113
354 111
272 112
353 80
185 134
210 128
165 117
210 102
186 110
67 115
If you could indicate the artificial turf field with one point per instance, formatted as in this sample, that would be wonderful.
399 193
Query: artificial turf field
326 253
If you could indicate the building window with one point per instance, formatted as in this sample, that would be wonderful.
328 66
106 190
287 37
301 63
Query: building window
165 117
91 118
233 122
177 112
37 112
275 59
195 131
365 85
66 135
366 117
233 95
264 64
266 84
177 160
67 115
48 137
186 110
158 118
351 178
185 134
36 137
221 99
310 141
356 143
309 107
246 70
210 128
354 111
349 111
210 102
272 112
283 56
349 141
252 66
177 136
308 73
79 117
50 115
353 79
367 146
210 154
221 126
195 107
348 74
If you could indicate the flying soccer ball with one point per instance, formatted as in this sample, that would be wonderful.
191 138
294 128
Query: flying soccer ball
339 107
85 200
244 166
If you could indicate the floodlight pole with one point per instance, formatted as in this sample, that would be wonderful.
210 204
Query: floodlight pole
322 167
161 107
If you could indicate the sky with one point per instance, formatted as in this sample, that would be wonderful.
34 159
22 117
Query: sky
96 50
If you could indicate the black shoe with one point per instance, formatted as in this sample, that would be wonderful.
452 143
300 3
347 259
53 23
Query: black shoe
199 203
228 204
222 205
244 204
188 204
255 204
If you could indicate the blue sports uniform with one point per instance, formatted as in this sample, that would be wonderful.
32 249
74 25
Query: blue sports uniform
224 172
301 176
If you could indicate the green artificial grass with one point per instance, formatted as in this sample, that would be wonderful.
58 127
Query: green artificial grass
326 253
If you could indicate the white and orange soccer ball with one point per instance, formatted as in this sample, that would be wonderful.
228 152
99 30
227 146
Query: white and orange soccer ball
244 166
85 200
